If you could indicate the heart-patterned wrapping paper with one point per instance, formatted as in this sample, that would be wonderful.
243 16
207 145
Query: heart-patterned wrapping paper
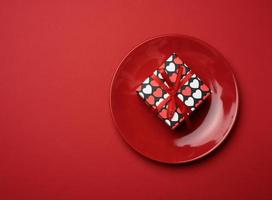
192 93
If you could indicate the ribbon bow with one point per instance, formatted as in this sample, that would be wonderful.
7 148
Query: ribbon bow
172 90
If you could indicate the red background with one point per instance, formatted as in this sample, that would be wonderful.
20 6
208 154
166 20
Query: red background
57 139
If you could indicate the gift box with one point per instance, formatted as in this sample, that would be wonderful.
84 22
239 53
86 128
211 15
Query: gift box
173 91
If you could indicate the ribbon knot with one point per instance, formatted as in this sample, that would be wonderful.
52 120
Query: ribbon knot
172 90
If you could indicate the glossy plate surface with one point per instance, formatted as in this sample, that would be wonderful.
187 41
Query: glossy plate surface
207 127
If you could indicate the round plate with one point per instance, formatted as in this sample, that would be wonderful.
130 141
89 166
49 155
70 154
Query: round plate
204 130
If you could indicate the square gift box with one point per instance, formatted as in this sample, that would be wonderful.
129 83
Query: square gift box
173 91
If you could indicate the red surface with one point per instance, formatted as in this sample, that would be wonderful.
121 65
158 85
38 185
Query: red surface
57 139
207 127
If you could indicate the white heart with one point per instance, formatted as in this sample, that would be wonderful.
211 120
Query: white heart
189 102
160 76
167 122
141 94
180 97
158 102
170 59
146 81
197 94
175 117
194 84
165 95
171 67
147 89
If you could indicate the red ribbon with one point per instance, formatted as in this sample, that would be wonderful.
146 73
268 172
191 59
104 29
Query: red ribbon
172 90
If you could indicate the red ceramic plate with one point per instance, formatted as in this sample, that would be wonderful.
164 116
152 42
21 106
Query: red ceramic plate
205 129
